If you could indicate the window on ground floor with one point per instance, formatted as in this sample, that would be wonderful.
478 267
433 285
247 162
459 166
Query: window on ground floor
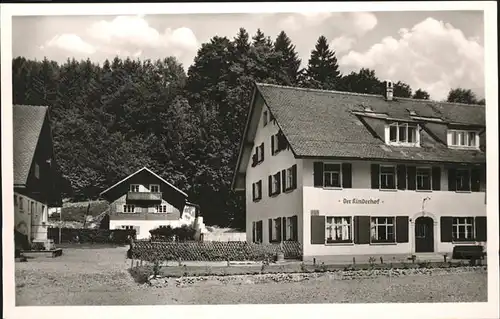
382 230
463 228
275 229
338 229
257 232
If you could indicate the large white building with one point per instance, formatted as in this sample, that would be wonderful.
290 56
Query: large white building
349 174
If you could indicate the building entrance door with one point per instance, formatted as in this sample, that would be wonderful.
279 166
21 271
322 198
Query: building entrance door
424 235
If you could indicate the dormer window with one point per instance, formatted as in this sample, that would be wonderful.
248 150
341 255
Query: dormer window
463 138
403 134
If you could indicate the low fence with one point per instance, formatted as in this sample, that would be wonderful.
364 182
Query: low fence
83 235
212 251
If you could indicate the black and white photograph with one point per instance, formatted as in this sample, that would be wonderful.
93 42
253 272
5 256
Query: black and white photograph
221 154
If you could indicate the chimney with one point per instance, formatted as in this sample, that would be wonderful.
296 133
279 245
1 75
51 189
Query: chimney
389 87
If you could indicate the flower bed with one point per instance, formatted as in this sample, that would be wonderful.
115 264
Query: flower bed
212 251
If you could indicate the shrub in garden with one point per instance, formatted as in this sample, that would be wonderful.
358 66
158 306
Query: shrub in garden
141 274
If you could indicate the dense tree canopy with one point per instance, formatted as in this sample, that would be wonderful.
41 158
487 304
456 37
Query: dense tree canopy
112 119
460 95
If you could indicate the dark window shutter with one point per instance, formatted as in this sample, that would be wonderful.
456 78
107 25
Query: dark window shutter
475 179
270 227
278 176
294 176
401 175
270 189
361 229
317 230
260 231
481 229
272 144
411 173
253 192
295 227
262 151
260 189
436 178
375 176
346 175
402 229
278 232
452 179
254 230
283 228
283 179
446 229
318 174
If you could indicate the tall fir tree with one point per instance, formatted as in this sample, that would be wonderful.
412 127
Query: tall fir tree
322 71
288 58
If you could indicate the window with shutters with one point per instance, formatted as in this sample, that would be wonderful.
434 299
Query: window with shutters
403 134
424 178
463 180
332 175
275 184
288 178
338 229
463 138
257 191
128 208
278 143
382 230
387 177
275 229
258 156
289 230
463 228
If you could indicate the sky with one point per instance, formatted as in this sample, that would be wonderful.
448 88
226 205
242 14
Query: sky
431 50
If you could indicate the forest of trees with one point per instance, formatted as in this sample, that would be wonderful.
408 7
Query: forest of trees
112 119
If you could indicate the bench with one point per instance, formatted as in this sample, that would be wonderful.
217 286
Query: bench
470 252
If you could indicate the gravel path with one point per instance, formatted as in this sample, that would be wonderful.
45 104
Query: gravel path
99 277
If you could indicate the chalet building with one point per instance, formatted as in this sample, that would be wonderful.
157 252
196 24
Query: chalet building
349 174
144 201
36 177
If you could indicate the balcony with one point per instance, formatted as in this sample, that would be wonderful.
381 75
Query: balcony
144 196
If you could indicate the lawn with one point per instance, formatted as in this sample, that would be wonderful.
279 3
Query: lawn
99 276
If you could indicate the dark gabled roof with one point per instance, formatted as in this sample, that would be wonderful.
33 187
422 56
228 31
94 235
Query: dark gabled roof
150 172
27 123
332 124
320 123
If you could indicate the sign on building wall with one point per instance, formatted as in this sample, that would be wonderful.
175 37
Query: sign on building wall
370 201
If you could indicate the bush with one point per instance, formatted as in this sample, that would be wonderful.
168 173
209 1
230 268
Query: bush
37 246
141 274
181 234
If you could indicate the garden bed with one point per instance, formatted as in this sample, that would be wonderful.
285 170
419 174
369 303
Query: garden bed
212 251
141 274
